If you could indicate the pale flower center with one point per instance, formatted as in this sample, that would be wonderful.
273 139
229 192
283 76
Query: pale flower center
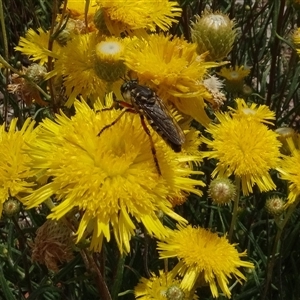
217 21
249 111
109 48
285 131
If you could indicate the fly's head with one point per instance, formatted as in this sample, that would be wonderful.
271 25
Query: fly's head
127 88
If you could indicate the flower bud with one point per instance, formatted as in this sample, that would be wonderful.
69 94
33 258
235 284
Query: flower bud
109 64
11 207
222 191
247 90
174 292
213 32
284 133
275 206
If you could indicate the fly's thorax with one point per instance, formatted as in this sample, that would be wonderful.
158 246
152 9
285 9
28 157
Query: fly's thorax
147 104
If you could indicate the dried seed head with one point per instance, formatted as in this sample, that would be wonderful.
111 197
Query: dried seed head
36 73
52 245
214 85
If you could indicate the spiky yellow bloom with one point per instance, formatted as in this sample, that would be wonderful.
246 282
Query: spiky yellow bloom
35 45
289 169
129 15
171 66
260 113
234 74
112 178
211 258
234 77
89 67
171 63
159 288
14 172
244 147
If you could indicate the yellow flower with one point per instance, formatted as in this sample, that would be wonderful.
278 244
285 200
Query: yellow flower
89 66
161 288
289 169
234 74
112 178
13 169
260 113
234 77
283 134
244 147
131 15
211 258
171 66
35 45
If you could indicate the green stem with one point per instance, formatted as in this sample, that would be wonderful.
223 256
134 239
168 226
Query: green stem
118 279
3 29
235 208
100 282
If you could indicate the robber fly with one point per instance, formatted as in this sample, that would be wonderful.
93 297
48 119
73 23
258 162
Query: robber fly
146 103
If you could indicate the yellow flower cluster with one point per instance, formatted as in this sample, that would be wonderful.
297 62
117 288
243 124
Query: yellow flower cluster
244 146
112 174
112 178
92 62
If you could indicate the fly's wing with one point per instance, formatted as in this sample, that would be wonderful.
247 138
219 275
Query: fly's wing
161 119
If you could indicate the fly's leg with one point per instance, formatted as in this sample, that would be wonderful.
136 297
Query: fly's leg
153 150
128 108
